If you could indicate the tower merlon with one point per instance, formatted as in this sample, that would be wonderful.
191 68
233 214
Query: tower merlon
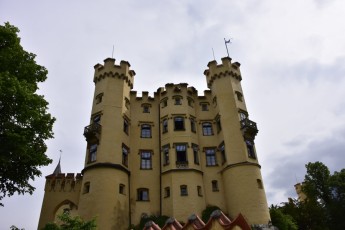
109 68
226 68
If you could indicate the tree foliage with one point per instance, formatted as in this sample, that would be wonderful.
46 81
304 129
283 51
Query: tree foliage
282 221
206 213
324 206
71 223
24 121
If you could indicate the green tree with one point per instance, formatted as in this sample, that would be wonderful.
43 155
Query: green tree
24 121
71 223
206 213
281 220
324 206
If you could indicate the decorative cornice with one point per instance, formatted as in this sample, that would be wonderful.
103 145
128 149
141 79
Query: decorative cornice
183 170
245 163
106 165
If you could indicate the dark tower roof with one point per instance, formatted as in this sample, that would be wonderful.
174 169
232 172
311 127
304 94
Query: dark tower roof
57 170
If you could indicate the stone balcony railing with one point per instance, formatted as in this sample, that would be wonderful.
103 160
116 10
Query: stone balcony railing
92 132
249 129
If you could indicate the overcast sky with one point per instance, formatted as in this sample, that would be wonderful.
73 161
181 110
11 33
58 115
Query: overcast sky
292 56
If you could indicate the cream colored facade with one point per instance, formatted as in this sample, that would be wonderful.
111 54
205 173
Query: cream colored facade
171 154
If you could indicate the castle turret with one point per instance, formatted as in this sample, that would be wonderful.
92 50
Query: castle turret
241 174
105 191
61 194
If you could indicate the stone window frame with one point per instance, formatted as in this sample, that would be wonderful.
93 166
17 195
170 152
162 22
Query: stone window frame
146 160
143 194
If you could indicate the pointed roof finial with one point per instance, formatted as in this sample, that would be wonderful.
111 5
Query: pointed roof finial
57 170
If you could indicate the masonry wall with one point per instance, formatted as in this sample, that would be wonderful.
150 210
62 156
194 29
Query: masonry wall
173 153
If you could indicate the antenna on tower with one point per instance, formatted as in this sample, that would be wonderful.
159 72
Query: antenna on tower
226 46
112 53
213 54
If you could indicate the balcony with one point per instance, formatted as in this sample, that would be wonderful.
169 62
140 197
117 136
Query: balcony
92 132
182 164
249 129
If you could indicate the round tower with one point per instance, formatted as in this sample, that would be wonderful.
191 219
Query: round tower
105 189
240 171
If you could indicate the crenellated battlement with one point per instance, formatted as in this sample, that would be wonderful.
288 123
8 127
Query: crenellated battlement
62 182
225 69
110 69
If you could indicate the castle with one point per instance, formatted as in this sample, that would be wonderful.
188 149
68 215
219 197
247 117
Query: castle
171 154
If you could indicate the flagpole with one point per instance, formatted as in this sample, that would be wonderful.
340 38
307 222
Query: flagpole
226 47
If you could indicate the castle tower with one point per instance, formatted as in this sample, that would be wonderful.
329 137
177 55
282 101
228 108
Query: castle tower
181 169
106 173
61 195
241 174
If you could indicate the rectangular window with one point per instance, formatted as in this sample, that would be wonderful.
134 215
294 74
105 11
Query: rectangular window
166 192
165 125
181 153
195 153
125 126
166 155
146 109
179 123
184 190
207 129
204 106
190 102
93 152
178 101
145 131
219 125
222 152
259 182
250 149
164 103
210 157
96 119
125 151
99 98
142 194
239 96
199 190
192 125
215 186
86 188
146 159
122 189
